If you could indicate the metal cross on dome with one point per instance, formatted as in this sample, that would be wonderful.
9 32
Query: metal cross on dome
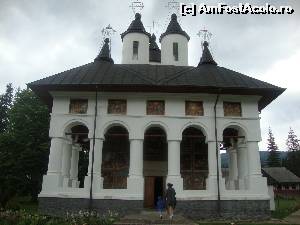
173 7
204 35
137 6
107 32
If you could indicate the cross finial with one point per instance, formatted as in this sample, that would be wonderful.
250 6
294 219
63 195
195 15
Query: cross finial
137 6
204 35
173 7
107 33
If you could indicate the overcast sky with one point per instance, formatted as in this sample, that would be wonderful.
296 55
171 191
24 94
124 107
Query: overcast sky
39 38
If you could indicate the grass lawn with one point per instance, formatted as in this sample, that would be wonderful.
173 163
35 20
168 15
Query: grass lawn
285 207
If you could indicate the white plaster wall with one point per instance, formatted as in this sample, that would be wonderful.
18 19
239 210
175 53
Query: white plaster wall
143 50
173 122
167 50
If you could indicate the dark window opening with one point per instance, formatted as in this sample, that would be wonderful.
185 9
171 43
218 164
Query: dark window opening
135 50
175 51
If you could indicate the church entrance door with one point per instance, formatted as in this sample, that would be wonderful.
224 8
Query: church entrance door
155 165
154 187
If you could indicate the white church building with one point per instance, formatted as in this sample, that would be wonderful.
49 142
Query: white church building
120 132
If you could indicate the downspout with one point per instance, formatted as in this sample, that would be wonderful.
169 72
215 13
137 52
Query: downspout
217 155
93 153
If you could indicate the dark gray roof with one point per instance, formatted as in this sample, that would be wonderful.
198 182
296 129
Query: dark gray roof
174 28
104 54
206 56
136 26
281 175
106 76
154 51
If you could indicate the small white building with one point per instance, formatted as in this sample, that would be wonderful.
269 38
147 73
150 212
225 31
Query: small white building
131 128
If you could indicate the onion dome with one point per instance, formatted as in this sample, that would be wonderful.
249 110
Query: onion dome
206 56
104 54
136 26
174 28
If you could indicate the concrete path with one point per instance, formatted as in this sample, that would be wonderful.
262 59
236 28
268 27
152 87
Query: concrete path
152 217
293 218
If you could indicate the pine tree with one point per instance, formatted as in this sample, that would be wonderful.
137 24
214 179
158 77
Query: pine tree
292 141
293 156
274 156
5 105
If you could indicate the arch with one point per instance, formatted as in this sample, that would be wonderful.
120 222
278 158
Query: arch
114 123
74 122
115 156
193 158
159 124
242 130
197 125
233 134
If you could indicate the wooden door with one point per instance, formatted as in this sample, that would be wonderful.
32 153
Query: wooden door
149 192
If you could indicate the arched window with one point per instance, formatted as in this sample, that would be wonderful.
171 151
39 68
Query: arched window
193 159
115 160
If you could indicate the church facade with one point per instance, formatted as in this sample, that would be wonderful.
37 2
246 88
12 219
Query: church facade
120 132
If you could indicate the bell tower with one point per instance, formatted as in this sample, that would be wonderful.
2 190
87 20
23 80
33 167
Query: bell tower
135 43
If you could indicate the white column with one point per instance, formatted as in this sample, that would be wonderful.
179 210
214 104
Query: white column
256 183
173 158
233 170
242 163
53 179
97 179
54 165
254 159
212 181
74 166
66 163
174 176
135 181
136 158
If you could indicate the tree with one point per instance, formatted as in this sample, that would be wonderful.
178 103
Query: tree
274 156
293 156
292 141
24 147
5 104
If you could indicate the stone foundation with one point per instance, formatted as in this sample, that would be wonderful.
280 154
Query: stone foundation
205 209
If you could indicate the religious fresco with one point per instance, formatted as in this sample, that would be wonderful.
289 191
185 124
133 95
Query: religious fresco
78 106
117 106
232 109
155 107
194 108
193 160
115 161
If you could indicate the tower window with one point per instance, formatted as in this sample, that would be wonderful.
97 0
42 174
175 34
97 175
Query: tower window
175 51
135 50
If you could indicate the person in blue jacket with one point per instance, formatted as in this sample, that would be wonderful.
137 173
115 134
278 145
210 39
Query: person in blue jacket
160 205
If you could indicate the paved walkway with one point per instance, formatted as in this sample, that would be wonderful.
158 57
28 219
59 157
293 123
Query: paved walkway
293 218
152 217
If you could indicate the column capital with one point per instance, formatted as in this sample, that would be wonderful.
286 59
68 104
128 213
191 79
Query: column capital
136 139
175 140
59 137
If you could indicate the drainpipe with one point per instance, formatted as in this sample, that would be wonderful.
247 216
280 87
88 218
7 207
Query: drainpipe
217 155
93 153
